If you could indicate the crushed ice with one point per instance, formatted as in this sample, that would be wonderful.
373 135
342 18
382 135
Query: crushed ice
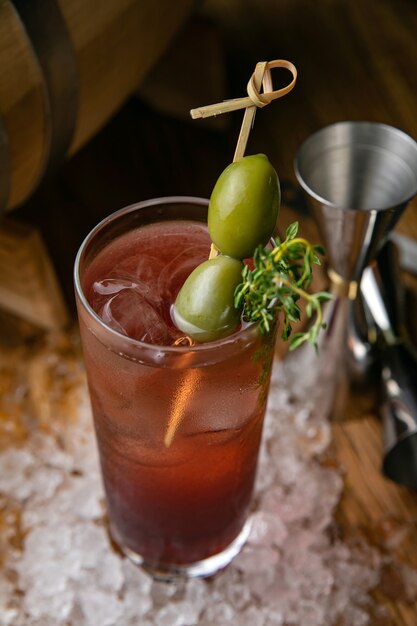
58 567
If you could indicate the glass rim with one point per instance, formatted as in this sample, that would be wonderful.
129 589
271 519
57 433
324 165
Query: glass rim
242 334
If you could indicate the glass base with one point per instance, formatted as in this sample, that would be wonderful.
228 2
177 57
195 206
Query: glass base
200 569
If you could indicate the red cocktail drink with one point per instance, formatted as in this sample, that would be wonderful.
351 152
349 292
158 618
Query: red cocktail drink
178 426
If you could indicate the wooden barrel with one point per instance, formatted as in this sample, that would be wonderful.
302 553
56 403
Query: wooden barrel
65 68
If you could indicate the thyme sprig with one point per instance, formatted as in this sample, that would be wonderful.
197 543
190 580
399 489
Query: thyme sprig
279 278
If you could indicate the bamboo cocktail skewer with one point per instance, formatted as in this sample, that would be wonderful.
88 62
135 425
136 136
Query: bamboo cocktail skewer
254 97
260 78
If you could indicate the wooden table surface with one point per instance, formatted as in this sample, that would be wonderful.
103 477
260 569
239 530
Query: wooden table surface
356 61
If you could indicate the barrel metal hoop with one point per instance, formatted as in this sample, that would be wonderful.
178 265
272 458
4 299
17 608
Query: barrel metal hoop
4 168
50 39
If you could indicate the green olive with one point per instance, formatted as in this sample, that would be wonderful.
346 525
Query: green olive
244 206
204 309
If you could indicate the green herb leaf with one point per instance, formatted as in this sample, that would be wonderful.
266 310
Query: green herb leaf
298 340
291 231
278 279
319 249
324 296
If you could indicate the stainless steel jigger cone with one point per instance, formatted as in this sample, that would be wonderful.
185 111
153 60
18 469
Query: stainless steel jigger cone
359 177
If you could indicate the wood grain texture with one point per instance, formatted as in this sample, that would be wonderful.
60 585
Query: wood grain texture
115 43
22 105
28 284
377 509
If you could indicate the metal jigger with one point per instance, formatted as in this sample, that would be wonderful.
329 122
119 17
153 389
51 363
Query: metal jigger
359 177
383 296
